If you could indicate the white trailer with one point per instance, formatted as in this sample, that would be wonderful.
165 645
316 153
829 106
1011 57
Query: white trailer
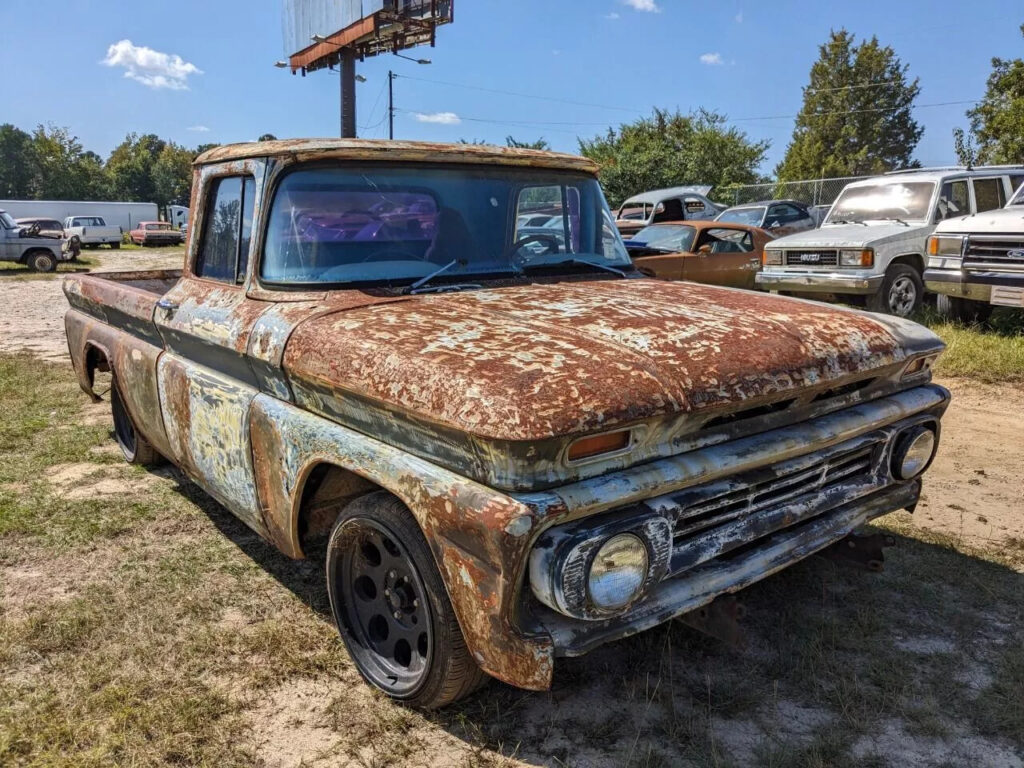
124 215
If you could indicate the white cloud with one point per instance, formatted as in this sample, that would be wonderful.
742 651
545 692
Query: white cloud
151 68
711 59
198 128
739 17
441 118
613 15
643 5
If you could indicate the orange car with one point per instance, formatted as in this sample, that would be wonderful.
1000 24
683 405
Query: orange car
713 252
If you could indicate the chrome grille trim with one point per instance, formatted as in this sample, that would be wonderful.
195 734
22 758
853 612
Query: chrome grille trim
827 257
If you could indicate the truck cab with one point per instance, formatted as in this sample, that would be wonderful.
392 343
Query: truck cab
873 242
514 446
976 262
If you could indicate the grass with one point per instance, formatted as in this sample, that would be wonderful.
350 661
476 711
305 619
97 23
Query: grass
151 628
991 353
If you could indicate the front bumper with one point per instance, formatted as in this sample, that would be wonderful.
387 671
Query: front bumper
819 282
969 284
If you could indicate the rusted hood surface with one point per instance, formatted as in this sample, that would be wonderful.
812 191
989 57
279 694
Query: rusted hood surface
532 362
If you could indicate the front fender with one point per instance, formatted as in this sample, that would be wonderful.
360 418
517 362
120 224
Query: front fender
479 537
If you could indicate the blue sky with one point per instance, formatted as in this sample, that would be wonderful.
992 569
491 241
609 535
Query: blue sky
745 58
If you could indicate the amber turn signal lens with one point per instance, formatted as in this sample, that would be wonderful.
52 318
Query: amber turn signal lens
598 444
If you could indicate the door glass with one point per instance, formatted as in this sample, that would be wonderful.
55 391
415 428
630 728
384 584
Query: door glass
989 194
727 240
248 203
224 252
953 200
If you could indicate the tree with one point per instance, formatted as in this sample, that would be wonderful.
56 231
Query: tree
669 149
538 144
856 116
130 167
267 137
61 170
998 120
172 175
17 160
966 154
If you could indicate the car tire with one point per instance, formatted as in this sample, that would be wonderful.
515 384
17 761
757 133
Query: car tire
962 310
901 293
392 609
41 261
115 246
74 246
136 449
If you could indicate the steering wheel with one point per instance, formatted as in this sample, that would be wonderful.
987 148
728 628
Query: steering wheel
553 244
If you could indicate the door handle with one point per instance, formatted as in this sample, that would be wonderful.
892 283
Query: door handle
167 305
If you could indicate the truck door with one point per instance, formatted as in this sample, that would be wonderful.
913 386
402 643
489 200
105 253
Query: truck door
206 383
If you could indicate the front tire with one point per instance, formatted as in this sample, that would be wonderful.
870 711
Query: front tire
901 293
391 607
41 261
962 310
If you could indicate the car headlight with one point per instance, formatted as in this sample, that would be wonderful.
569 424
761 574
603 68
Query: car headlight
945 245
915 449
618 572
771 257
862 257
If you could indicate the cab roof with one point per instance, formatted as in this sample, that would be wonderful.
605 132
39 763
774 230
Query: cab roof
396 151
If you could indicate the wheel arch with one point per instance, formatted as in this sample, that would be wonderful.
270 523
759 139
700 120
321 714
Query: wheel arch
915 260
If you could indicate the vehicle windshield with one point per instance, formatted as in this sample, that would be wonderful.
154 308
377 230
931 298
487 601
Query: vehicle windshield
399 224
7 221
751 216
1018 197
892 200
670 237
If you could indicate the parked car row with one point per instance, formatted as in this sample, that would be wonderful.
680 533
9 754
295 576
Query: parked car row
872 246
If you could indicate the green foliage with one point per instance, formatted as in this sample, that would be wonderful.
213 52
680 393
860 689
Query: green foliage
540 143
17 158
172 175
668 149
966 154
998 120
267 137
60 169
856 116
131 167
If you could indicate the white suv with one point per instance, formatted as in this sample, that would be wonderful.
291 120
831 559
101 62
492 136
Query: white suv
873 241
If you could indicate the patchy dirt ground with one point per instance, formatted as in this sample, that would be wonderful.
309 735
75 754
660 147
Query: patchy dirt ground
140 623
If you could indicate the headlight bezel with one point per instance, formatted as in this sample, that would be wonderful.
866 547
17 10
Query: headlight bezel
772 257
917 438
946 245
861 258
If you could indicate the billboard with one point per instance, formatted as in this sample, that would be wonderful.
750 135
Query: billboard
368 27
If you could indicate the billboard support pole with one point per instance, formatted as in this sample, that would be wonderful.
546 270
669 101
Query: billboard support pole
348 93
391 104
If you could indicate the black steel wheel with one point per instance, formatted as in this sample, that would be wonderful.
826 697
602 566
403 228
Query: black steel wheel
135 447
391 607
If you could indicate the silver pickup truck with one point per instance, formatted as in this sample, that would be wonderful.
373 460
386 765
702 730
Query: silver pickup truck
21 245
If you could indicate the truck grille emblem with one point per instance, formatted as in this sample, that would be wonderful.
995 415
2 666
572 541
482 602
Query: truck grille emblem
1016 253
810 258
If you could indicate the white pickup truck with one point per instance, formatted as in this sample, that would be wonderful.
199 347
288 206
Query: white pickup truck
873 241
976 262
90 232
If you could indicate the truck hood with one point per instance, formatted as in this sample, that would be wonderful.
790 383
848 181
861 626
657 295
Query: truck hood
852 235
1001 220
533 362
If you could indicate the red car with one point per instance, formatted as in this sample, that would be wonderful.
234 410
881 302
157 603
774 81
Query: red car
155 233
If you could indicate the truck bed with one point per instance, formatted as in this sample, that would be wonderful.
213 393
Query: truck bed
121 299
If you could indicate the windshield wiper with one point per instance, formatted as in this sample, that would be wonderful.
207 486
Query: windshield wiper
418 286
575 261
895 218
847 221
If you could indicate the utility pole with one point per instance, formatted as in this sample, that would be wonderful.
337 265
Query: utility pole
348 93
391 104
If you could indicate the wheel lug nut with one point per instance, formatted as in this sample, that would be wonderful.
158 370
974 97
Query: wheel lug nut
398 614
391 574
416 603
387 593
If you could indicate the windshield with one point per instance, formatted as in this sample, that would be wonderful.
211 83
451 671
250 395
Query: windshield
7 221
1018 197
750 216
909 200
666 237
399 224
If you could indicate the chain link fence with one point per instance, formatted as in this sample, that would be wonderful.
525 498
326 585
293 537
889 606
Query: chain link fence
811 191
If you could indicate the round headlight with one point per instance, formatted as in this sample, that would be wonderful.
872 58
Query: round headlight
913 452
618 572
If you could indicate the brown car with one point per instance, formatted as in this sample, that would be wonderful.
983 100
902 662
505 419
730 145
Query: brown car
155 233
712 252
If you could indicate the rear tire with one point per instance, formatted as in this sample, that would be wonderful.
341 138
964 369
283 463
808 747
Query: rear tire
962 310
136 449
392 609
901 293
41 261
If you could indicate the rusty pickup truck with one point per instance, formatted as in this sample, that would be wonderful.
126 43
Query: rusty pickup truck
510 448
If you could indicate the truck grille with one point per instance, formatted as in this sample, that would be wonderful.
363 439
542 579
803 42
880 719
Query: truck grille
994 252
818 257
716 518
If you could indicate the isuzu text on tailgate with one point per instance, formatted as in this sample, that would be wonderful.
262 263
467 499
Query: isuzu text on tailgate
517 446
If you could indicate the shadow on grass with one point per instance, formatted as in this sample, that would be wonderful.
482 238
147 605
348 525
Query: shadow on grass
928 650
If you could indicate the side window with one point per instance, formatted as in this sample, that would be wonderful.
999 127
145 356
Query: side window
989 193
727 241
227 229
1016 179
953 200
